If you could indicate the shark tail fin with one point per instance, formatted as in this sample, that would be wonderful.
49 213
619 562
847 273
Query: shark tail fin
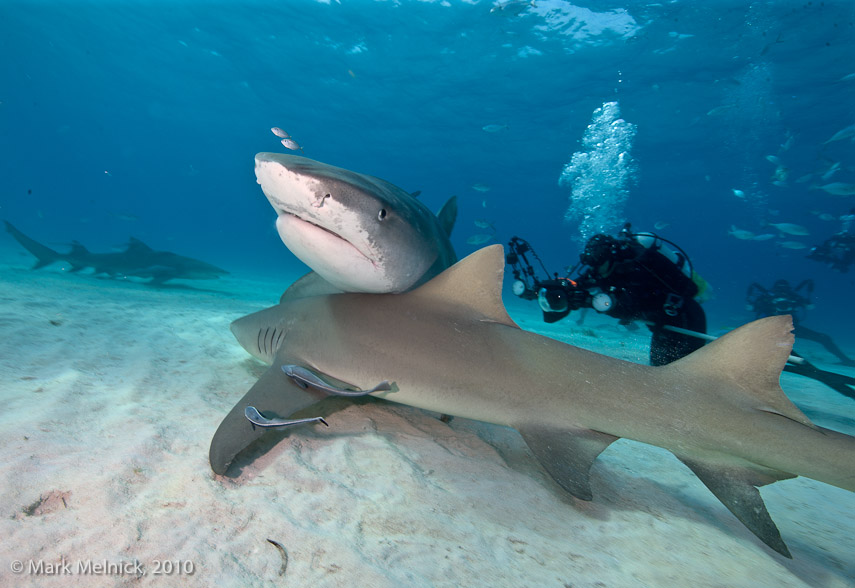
44 255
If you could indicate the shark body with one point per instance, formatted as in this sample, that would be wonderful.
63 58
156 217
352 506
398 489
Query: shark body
137 260
357 232
450 346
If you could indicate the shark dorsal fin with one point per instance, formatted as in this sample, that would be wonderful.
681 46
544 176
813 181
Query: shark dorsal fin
447 215
474 282
136 244
753 356
77 248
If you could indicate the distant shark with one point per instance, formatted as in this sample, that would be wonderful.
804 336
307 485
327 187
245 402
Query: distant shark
357 232
138 260
450 347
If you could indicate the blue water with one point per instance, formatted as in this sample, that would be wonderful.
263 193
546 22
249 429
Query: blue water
142 119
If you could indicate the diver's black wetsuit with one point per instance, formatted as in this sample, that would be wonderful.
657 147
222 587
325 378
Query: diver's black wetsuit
638 278
642 285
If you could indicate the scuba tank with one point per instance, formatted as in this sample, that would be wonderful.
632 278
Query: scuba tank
652 242
666 261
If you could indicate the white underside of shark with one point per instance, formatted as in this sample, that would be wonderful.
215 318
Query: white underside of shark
357 232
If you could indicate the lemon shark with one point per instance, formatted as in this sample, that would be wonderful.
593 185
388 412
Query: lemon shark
449 346
138 260
357 232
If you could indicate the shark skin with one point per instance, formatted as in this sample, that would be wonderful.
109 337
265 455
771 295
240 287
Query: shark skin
450 347
358 233
138 260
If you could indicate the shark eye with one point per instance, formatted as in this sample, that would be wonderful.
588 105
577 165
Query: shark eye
382 214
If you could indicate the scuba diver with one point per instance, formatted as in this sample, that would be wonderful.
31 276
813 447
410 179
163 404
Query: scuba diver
784 299
838 251
634 277
638 277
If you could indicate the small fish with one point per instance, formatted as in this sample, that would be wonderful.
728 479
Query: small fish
790 228
847 78
738 193
720 109
484 224
842 134
280 133
292 144
792 245
479 239
826 217
740 233
831 171
781 174
779 183
660 225
481 187
773 159
494 128
837 189
804 178
785 146
763 237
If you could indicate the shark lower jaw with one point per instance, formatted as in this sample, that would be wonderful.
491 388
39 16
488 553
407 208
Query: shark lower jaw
333 257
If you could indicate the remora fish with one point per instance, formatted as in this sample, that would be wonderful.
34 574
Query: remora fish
357 232
450 346
138 260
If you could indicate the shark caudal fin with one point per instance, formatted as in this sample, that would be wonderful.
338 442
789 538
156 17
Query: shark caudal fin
44 255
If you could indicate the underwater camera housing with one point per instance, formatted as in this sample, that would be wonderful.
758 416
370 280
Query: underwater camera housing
558 297
555 296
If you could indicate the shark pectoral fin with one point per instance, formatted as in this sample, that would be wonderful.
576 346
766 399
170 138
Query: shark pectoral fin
736 487
567 454
274 394
309 285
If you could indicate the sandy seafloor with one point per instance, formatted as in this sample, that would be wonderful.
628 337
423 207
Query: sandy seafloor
112 390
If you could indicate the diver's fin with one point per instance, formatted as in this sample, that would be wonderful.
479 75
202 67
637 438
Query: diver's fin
475 283
736 487
309 285
567 454
838 382
447 215
275 395
44 255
